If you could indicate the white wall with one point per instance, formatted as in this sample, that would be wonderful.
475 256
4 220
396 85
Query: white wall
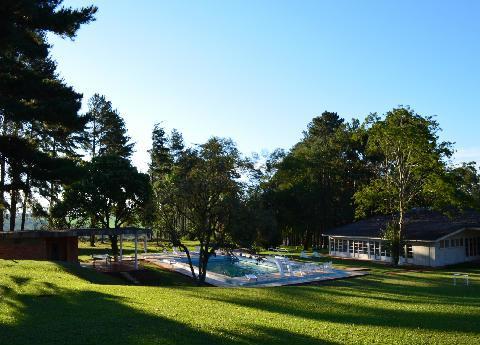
424 253
454 255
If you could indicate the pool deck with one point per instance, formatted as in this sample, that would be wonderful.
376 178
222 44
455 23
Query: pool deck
267 280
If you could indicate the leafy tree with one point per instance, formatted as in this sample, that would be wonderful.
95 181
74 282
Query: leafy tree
408 160
197 199
313 185
106 132
36 107
111 191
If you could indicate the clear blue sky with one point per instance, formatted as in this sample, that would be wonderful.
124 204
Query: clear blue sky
259 71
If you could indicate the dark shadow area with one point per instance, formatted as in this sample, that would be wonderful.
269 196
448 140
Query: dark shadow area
89 275
58 316
151 275
332 304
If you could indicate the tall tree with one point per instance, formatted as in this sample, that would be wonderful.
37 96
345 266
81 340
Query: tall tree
33 99
202 191
111 191
313 184
106 131
409 158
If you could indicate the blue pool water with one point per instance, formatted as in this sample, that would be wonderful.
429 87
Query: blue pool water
225 266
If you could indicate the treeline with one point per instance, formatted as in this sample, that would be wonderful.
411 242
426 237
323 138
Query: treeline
75 170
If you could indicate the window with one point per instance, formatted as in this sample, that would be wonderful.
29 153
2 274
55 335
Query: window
364 247
442 244
466 247
383 252
447 243
372 248
377 248
345 246
350 246
461 242
409 251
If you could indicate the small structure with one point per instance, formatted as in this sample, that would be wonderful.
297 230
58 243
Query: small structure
431 239
60 245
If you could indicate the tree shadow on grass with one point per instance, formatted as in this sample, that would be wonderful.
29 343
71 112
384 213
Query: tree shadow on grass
65 316
331 305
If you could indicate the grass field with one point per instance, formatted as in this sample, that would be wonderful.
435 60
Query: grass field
51 303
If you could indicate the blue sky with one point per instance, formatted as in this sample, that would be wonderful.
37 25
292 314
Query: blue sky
259 71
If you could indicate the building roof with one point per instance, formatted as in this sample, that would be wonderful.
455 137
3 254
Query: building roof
421 225
72 232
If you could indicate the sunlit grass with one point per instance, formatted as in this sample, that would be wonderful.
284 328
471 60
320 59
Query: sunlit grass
48 303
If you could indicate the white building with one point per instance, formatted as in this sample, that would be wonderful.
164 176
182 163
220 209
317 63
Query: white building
432 239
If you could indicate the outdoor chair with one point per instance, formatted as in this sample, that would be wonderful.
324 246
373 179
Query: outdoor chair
101 257
303 255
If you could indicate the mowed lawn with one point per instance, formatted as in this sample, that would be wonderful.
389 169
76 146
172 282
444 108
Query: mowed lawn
50 303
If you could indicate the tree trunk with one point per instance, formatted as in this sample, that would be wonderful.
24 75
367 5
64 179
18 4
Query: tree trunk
13 208
13 195
114 242
24 212
92 240
26 196
2 192
306 239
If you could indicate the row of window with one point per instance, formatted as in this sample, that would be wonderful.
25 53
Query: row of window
472 246
372 248
454 242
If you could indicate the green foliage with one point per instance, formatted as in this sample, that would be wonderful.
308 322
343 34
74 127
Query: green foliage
106 133
408 163
111 190
38 111
313 185
198 194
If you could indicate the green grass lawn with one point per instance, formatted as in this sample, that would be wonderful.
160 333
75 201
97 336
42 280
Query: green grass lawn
50 303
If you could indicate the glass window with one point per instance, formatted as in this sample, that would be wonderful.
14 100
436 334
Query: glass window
383 252
372 248
461 242
377 248
466 247
442 244
447 243
350 246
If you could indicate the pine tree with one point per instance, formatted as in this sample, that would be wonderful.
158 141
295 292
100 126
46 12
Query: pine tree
33 100
106 132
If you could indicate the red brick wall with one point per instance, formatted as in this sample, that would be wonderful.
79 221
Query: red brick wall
66 249
28 249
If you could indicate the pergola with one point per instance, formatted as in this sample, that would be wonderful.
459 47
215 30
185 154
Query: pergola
136 232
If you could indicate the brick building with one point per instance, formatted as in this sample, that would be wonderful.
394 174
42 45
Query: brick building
39 245
60 245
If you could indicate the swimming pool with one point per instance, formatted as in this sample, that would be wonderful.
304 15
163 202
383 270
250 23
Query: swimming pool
238 268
